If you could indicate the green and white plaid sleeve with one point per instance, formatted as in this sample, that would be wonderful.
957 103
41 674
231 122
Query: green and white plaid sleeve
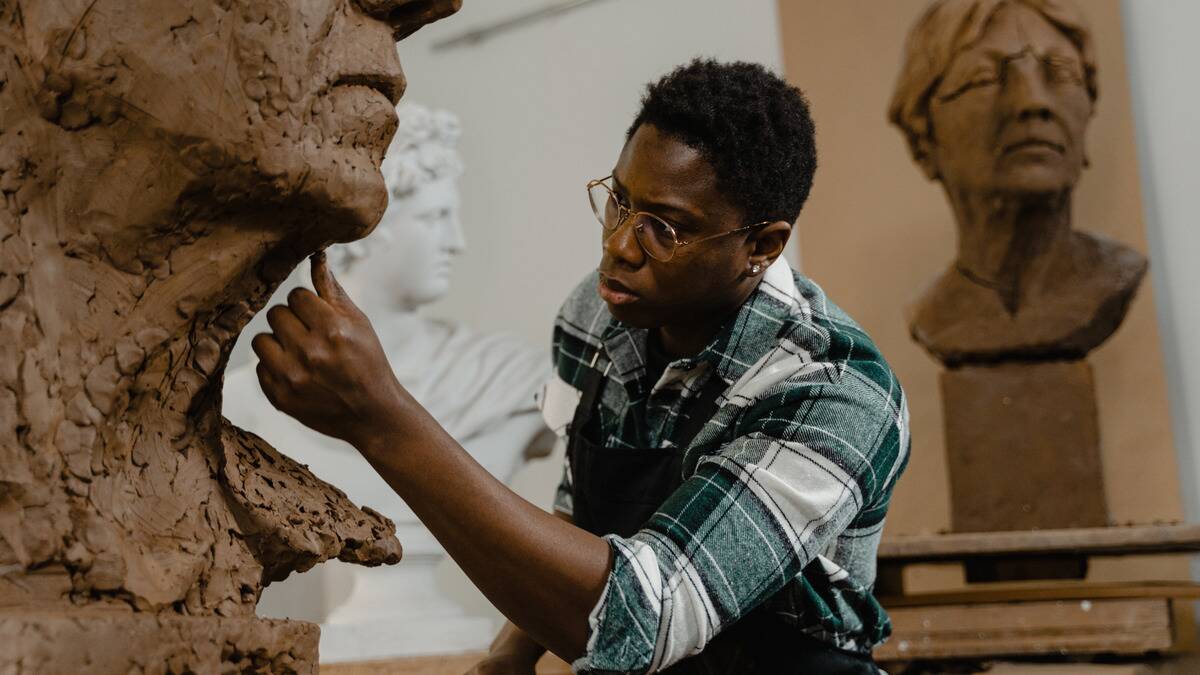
816 455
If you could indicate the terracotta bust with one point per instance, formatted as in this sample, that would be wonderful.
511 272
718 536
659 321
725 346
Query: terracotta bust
163 165
994 98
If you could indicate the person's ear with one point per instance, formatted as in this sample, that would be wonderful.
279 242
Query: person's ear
767 244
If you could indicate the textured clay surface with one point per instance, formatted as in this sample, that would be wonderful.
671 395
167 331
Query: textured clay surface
156 644
1023 447
162 167
1084 300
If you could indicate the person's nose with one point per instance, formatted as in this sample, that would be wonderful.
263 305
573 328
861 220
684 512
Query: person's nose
1026 91
622 245
406 16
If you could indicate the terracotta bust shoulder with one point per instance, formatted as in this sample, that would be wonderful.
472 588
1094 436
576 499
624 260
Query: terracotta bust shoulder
1082 301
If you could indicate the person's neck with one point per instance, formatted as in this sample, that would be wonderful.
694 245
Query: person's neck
684 340
1008 243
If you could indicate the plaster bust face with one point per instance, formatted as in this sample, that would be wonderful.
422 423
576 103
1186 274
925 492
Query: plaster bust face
1010 113
412 264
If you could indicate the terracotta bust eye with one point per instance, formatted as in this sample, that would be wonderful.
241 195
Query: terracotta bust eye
960 81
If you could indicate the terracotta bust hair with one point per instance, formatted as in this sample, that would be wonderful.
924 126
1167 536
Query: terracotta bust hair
994 97
163 166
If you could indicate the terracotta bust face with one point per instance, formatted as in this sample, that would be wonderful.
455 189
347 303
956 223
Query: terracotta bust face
1010 112
994 99
162 166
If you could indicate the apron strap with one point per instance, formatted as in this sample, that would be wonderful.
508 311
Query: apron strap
702 409
592 386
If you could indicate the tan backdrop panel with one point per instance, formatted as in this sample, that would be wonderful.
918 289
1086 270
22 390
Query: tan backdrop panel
875 231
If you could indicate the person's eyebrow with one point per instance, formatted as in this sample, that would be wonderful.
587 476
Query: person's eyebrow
661 208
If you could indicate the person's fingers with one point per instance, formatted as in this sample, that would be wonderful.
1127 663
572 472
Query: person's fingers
274 357
288 329
308 307
323 280
268 383
265 346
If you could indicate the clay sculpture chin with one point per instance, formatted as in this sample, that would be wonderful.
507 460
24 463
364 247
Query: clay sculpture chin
162 167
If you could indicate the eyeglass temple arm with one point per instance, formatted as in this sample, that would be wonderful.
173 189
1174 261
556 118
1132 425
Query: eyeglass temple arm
722 234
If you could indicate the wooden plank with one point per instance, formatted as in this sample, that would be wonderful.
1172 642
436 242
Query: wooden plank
1114 626
1124 540
1055 591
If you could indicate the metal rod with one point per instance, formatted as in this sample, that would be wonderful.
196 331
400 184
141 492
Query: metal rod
480 34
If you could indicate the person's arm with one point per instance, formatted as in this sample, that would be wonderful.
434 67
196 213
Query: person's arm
513 652
743 526
324 366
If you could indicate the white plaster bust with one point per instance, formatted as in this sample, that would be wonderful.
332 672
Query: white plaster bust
479 386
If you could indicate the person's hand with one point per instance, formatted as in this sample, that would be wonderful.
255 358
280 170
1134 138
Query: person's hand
503 664
323 364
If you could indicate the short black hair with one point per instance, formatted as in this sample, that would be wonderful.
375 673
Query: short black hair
751 125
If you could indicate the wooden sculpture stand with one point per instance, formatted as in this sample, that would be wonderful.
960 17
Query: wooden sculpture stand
1054 617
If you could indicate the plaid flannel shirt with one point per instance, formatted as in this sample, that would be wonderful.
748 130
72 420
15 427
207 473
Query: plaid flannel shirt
786 488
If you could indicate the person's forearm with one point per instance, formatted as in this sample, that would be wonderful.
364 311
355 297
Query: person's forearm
545 575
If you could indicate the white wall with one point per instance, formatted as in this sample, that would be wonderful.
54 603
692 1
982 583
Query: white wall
1163 53
544 110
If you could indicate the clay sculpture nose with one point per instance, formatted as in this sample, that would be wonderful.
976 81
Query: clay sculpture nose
406 16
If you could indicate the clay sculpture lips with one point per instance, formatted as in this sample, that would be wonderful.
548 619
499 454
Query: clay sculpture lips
391 85
362 108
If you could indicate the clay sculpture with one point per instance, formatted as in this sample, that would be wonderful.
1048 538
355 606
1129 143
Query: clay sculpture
163 166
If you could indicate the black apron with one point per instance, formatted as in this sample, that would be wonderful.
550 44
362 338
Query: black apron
616 490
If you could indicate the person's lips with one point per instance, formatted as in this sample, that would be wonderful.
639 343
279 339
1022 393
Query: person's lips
614 292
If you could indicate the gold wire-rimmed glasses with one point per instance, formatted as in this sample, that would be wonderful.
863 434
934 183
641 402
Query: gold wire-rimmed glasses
656 236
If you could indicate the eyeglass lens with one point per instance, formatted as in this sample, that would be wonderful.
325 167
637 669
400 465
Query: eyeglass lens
652 232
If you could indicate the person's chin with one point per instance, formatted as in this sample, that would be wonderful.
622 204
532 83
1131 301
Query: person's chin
633 314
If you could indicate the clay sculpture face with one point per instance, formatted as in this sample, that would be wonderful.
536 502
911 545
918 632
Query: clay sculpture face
162 167
994 98
1012 121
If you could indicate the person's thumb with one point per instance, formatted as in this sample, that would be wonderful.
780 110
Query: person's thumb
325 283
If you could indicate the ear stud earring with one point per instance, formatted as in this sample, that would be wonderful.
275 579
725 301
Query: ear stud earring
756 269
